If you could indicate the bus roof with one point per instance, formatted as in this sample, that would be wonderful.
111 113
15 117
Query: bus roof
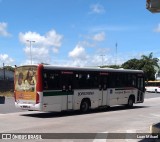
85 68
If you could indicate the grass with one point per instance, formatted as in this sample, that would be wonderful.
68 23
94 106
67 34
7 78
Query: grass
7 94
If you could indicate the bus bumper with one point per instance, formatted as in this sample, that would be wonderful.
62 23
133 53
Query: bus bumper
28 106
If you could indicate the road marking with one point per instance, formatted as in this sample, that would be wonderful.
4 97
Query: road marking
155 115
67 140
127 136
128 139
98 137
151 99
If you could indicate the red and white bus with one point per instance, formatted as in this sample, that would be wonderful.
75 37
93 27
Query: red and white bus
54 88
152 86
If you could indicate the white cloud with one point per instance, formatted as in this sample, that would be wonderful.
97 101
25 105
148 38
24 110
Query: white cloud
78 53
43 46
157 28
39 54
78 56
97 8
99 36
3 30
4 58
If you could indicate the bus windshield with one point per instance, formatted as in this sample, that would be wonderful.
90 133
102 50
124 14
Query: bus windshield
25 78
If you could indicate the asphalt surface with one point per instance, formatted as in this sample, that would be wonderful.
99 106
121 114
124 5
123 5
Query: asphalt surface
116 120
9 106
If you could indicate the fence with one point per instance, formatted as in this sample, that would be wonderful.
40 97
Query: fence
6 85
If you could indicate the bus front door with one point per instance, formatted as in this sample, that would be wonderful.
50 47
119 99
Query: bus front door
103 89
141 88
67 84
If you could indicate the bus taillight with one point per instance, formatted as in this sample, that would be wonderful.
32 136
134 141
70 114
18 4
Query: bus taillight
37 98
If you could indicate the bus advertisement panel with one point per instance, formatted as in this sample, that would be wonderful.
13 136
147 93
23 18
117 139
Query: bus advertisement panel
25 84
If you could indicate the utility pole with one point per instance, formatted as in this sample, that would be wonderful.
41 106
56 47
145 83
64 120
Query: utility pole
4 74
102 59
30 41
116 54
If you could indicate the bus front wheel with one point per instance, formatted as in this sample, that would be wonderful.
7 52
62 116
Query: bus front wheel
155 90
130 102
84 106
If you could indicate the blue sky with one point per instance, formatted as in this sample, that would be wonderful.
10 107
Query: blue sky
77 32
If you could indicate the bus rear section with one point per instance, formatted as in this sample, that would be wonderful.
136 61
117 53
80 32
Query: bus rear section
26 96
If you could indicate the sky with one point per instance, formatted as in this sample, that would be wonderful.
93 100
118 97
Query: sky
76 32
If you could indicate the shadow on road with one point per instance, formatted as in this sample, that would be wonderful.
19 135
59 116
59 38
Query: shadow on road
74 113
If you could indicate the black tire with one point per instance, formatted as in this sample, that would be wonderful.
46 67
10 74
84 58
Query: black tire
130 102
155 90
84 106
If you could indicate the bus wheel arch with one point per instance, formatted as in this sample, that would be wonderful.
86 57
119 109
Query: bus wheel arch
131 100
85 105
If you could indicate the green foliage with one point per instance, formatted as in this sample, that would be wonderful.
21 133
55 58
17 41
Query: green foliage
132 64
112 66
146 63
9 68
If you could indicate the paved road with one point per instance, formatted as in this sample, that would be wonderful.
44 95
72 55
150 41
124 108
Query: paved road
9 106
151 95
115 120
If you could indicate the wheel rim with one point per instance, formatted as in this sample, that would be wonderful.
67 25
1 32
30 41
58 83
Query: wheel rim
84 106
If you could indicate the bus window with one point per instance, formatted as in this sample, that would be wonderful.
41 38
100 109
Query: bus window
51 80
103 81
86 80
67 81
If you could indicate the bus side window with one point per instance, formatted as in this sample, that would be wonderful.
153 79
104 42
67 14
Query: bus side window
67 78
76 83
134 81
45 83
51 80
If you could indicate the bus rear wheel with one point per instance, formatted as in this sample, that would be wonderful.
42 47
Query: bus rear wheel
84 106
130 102
155 90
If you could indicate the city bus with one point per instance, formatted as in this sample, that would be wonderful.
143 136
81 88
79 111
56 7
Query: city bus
50 88
152 86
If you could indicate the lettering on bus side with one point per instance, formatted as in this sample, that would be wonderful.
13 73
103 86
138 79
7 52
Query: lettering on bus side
85 93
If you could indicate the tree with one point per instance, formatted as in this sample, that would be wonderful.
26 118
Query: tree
132 64
146 63
9 68
149 60
112 66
